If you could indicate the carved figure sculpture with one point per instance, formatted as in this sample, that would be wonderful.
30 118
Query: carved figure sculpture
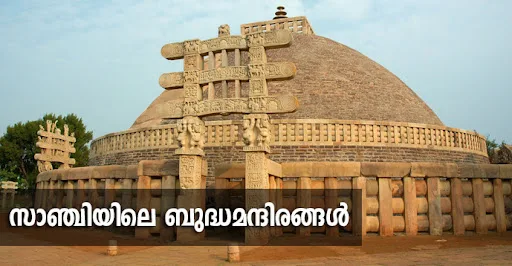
249 134
224 30
191 133
264 131
257 131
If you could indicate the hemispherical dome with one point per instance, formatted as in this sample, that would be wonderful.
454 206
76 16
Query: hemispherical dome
333 81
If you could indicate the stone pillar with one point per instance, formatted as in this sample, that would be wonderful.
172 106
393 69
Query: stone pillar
456 195
192 186
80 193
4 198
69 194
59 194
304 201
143 202
257 139
499 206
481 226
256 193
279 202
51 195
385 207
13 194
168 201
435 215
39 195
411 206
359 214
44 196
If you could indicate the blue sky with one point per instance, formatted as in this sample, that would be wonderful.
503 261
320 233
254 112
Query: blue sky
101 59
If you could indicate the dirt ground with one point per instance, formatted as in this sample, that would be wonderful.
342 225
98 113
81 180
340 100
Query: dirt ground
34 247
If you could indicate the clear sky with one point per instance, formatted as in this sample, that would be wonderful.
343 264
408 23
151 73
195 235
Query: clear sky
101 59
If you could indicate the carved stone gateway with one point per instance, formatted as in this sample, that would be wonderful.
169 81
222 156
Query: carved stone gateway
257 128
55 147
257 72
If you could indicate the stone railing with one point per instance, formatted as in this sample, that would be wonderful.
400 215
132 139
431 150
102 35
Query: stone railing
374 133
150 184
95 184
396 197
295 24
303 132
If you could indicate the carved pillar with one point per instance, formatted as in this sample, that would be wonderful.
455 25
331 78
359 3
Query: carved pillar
191 131
257 140
191 140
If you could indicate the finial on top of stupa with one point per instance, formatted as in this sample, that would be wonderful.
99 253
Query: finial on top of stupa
280 13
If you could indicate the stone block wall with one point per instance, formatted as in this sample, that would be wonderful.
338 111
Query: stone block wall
281 154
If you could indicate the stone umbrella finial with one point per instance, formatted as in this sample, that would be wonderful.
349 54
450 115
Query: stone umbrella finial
280 13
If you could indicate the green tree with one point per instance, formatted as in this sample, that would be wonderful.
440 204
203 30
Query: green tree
491 148
18 146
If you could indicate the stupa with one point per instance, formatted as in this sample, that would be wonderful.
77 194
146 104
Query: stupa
296 117
350 108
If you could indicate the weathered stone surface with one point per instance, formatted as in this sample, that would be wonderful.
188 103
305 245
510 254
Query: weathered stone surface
456 196
499 206
466 170
359 217
385 207
143 201
108 171
132 171
229 170
421 169
321 169
385 169
158 167
411 206
274 168
86 172
490 170
435 215
304 201
52 175
481 226
506 171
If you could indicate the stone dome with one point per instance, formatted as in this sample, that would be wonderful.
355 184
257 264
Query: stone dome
333 81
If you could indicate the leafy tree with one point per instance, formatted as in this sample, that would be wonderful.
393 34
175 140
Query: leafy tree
492 145
18 146
6 175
